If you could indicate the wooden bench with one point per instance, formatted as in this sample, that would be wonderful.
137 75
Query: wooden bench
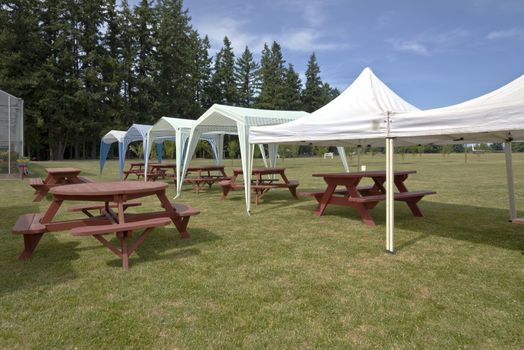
37 183
399 196
86 208
29 225
122 231
519 221
362 189
84 179
228 186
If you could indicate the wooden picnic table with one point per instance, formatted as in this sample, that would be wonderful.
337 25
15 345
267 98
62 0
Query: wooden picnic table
112 195
160 169
135 168
365 198
55 177
205 174
263 180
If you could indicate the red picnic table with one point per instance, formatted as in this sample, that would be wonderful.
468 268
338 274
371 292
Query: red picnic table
365 198
160 169
55 177
263 180
113 195
135 168
205 174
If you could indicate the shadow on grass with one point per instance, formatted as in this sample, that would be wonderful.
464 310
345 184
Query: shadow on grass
479 225
164 244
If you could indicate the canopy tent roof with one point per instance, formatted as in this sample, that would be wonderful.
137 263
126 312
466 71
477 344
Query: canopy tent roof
357 116
373 114
178 130
236 120
114 136
494 117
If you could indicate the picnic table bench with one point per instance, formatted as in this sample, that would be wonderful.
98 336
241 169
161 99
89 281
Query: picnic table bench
111 195
365 198
205 175
138 168
55 177
519 221
264 179
161 170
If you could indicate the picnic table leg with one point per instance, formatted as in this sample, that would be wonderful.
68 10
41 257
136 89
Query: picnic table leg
365 215
412 204
325 200
180 222
30 243
41 193
51 211
123 244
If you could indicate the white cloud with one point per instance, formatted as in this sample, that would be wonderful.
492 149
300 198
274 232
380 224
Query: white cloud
514 33
307 40
411 46
428 43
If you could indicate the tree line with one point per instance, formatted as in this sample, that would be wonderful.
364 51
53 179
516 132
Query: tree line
84 67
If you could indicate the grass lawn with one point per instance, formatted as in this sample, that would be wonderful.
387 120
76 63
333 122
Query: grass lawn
281 278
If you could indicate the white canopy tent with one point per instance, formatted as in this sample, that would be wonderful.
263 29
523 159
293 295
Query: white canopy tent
105 144
374 117
239 120
178 130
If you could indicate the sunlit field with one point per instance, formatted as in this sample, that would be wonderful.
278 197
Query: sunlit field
281 278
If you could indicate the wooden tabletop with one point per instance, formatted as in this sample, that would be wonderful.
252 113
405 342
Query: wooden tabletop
261 170
206 167
162 165
373 173
62 170
108 188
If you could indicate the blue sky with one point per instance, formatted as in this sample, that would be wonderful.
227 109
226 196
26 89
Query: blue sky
432 53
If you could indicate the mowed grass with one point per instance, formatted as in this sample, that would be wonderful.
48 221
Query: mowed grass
281 278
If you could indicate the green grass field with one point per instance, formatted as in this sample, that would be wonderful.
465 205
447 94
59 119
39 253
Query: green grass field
281 278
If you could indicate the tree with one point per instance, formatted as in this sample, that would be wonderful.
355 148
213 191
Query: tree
292 90
246 76
272 73
22 54
314 95
203 92
223 81
175 61
128 51
143 94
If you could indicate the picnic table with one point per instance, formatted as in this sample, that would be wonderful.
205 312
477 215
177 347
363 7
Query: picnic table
160 169
205 174
135 168
365 198
110 195
55 177
263 180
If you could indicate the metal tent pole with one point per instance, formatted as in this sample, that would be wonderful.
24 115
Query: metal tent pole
9 134
511 183
390 203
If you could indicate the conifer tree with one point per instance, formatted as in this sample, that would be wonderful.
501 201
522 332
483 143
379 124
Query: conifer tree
272 73
312 97
203 93
143 93
223 81
292 92
246 76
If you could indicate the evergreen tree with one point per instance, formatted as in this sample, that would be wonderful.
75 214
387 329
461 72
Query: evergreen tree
22 53
223 81
177 49
128 52
313 97
272 73
292 92
246 76
203 93
143 92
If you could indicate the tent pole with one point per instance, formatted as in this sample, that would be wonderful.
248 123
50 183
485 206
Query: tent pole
9 134
390 203
511 183
343 158
359 149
